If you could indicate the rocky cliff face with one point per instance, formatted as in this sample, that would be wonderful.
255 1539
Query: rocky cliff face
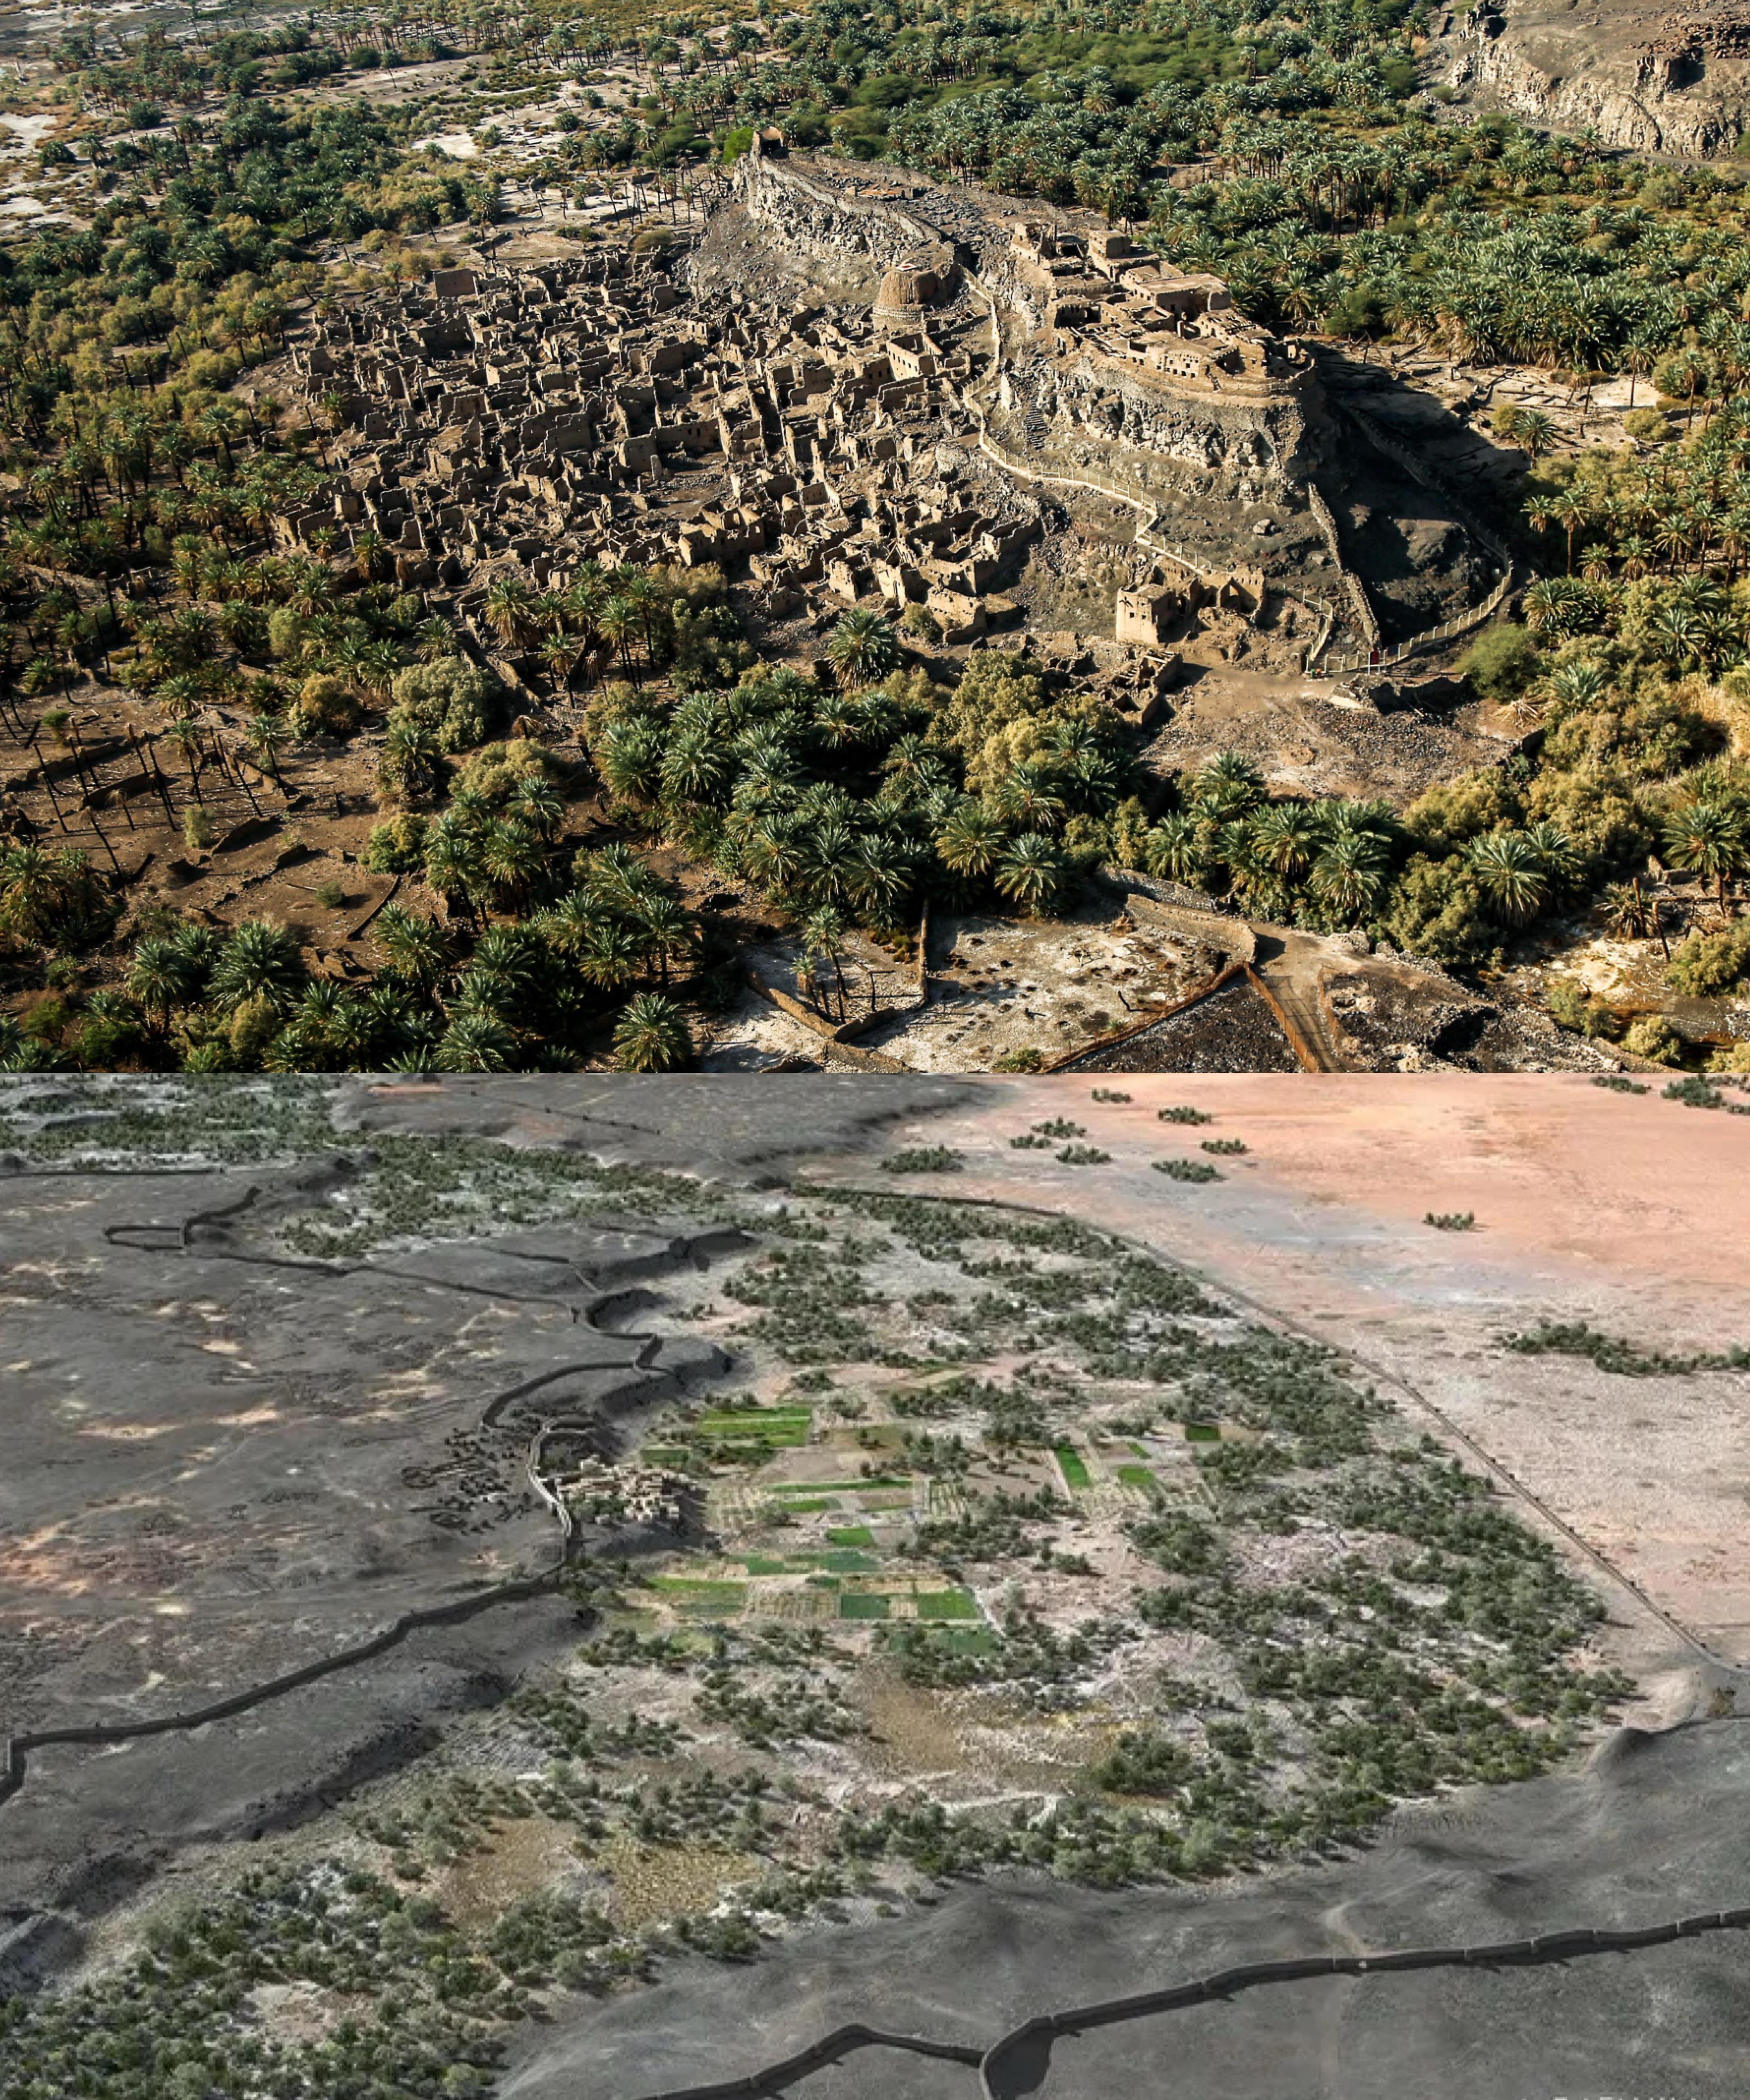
1638 76
1094 417
869 221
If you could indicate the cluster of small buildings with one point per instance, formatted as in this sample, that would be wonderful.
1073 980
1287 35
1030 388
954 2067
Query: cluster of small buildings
1100 298
600 1492
586 410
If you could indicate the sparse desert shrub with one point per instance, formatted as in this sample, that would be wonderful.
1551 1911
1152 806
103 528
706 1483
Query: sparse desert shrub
495 770
1709 965
396 846
1502 662
1651 1036
1572 1007
1187 1170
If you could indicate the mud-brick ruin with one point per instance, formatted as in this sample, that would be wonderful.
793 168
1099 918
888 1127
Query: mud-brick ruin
904 443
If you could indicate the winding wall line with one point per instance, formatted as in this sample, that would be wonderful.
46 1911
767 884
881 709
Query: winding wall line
19 1748
1013 2058
14 1768
767 2081
1009 2067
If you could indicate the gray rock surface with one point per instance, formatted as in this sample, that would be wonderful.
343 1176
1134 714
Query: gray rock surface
1652 1828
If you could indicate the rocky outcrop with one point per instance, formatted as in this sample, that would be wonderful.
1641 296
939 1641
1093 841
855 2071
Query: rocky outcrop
1253 434
1099 412
868 219
1637 76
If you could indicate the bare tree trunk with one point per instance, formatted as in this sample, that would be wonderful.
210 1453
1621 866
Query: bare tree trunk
55 800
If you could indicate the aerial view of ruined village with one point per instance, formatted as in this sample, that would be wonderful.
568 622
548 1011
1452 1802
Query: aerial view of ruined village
921 540
874 1050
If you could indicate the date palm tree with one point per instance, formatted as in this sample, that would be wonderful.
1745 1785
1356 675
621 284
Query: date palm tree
434 640
971 843
1284 838
1709 837
667 933
163 976
508 606
260 959
417 947
1030 798
1031 872
863 648
511 857
621 624
823 941
1349 875
651 1036
631 760
475 1043
1175 847
1511 874
612 955
536 802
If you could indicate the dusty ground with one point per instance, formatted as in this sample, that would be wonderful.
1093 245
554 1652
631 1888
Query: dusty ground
997 987
1309 744
1626 1211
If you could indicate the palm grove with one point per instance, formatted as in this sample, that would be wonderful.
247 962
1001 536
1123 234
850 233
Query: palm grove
135 566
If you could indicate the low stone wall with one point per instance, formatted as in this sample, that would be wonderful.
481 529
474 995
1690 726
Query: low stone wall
1509 580
1355 589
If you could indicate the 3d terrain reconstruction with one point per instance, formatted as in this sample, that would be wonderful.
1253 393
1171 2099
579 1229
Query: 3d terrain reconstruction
872 1586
